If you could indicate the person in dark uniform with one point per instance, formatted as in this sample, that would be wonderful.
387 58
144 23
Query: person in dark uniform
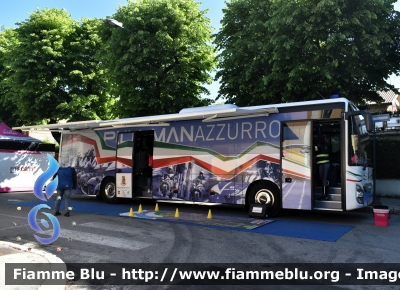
67 181
323 162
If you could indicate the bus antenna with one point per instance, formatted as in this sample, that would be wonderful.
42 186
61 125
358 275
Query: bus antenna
320 95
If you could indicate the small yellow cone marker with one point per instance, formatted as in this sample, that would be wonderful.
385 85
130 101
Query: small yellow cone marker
177 213
131 213
209 214
140 208
156 209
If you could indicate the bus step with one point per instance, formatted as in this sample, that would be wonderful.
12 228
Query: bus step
147 193
331 197
331 190
331 209
327 204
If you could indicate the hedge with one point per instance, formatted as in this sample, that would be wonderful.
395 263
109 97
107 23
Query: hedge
387 158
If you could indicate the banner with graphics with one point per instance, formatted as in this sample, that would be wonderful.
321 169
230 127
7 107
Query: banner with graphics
192 160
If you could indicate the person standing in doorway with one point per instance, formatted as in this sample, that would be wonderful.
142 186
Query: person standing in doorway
66 182
323 162
149 169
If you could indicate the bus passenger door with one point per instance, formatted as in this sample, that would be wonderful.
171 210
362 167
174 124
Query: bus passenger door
143 142
296 160
123 174
332 134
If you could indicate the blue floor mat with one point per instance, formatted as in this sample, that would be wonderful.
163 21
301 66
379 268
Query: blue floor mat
305 230
280 227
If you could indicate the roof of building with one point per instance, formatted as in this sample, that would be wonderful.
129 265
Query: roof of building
387 96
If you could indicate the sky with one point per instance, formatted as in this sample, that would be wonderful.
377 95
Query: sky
15 11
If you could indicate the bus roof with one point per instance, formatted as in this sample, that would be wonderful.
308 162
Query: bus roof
207 114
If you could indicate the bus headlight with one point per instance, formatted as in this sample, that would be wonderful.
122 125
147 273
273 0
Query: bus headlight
359 194
368 187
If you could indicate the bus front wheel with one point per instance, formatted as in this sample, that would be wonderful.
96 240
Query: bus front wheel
267 194
108 190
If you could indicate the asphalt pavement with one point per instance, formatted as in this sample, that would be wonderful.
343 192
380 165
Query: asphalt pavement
16 253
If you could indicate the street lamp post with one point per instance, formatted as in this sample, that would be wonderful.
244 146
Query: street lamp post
115 23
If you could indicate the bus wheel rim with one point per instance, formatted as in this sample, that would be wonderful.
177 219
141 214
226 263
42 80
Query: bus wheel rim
110 190
264 196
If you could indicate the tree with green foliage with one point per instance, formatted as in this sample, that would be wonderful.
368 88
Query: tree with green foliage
55 75
160 64
8 110
274 51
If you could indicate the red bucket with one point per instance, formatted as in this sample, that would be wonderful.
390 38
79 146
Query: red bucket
381 215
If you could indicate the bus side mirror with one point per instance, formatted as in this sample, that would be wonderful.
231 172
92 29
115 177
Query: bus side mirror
369 122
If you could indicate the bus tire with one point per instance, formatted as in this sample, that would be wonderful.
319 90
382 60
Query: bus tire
108 190
265 193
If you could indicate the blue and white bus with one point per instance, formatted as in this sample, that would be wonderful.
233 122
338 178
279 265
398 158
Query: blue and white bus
227 154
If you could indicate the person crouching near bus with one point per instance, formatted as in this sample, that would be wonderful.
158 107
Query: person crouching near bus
66 182
323 162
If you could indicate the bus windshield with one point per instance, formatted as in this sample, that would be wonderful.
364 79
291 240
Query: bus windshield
358 139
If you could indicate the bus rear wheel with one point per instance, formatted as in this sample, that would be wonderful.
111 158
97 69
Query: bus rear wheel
108 191
265 193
